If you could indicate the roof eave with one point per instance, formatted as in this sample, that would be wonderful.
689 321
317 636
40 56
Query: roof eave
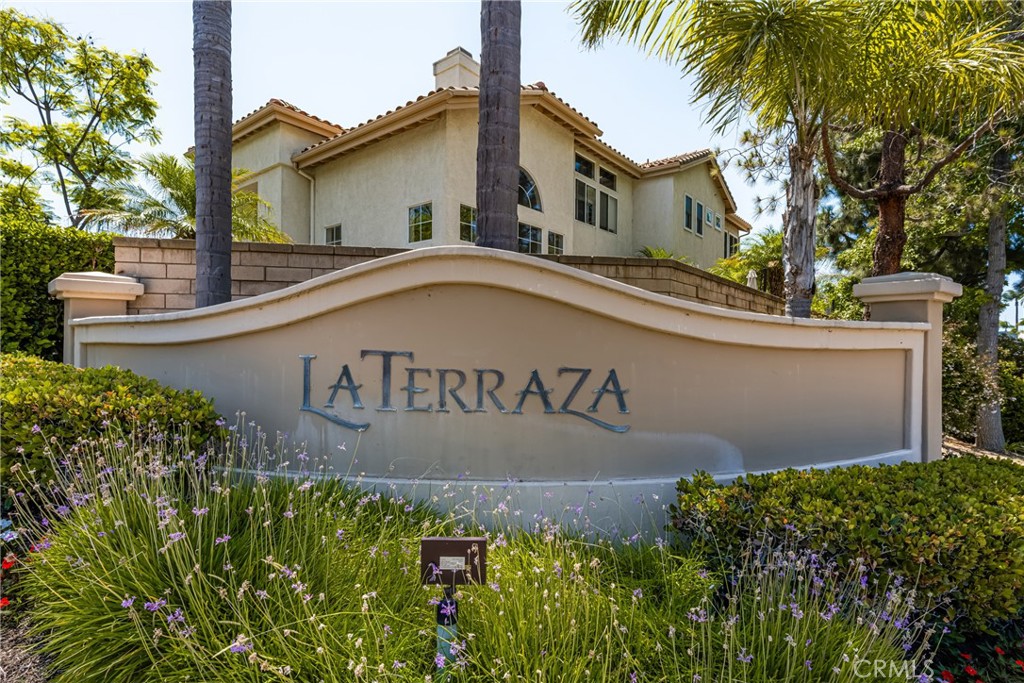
275 113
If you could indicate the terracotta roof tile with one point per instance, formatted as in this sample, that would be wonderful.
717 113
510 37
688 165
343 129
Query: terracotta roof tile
538 86
288 105
679 159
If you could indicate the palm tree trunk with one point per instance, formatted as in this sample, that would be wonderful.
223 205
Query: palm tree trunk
892 204
989 432
798 236
497 155
211 50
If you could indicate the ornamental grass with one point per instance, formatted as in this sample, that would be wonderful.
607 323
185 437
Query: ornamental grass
253 560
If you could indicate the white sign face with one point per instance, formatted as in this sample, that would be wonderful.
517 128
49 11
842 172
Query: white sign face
455 564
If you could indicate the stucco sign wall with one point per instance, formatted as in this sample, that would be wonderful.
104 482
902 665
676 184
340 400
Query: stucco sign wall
466 363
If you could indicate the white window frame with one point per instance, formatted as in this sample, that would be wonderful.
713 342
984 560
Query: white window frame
419 225
472 225
337 242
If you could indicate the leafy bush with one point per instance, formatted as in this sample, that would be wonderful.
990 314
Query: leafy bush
178 566
965 385
32 254
955 527
1011 376
46 404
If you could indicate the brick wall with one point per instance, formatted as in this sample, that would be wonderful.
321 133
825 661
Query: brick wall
168 269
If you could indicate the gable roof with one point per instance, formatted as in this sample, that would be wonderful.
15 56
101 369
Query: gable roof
429 107
337 141
682 161
275 111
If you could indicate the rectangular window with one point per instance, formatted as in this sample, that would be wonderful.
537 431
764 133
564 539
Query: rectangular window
467 223
732 245
709 217
607 178
609 213
688 217
421 222
700 219
556 243
718 222
586 199
584 166
332 234
530 240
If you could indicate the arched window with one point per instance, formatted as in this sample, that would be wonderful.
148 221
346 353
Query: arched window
529 195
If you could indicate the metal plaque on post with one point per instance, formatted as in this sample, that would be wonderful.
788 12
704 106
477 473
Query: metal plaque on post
453 561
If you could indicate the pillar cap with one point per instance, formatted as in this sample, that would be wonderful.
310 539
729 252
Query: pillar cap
96 285
907 287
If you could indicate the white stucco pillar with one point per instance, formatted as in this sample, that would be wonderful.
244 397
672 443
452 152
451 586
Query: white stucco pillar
87 295
916 297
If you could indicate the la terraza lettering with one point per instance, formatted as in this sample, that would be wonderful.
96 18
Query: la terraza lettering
475 391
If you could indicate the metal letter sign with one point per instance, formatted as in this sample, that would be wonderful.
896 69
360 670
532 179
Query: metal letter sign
453 561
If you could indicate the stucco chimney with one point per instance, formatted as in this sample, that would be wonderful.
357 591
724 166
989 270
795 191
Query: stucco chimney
457 69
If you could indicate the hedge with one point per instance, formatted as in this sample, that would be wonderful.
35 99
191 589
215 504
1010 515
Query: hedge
955 527
47 404
32 254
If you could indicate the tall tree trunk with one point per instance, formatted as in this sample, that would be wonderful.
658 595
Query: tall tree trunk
798 235
211 53
892 204
497 154
989 432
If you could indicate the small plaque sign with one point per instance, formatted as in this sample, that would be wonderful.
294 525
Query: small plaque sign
453 561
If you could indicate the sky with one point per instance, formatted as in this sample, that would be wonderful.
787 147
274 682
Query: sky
351 61
348 62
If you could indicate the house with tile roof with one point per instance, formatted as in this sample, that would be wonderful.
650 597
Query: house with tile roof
407 178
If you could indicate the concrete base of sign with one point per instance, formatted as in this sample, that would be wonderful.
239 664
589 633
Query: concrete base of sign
454 363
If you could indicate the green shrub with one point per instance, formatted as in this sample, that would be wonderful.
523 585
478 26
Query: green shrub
46 404
1011 380
955 527
965 385
31 255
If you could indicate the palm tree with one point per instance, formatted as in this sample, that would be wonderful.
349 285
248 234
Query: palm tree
925 70
497 154
166 205
211 58
772 58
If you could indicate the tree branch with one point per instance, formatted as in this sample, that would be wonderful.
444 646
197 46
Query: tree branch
833 174
955 154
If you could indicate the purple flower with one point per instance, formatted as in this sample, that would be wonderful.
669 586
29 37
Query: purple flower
154 606
808 664
439 660
744 657
220 422
262 595
175 616
127 602
63 510
36 429
632 677
239 646
638 594
864 581
199 512
176 536
339 533
222 539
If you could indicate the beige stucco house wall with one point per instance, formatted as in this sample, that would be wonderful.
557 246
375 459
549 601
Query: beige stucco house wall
355 187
